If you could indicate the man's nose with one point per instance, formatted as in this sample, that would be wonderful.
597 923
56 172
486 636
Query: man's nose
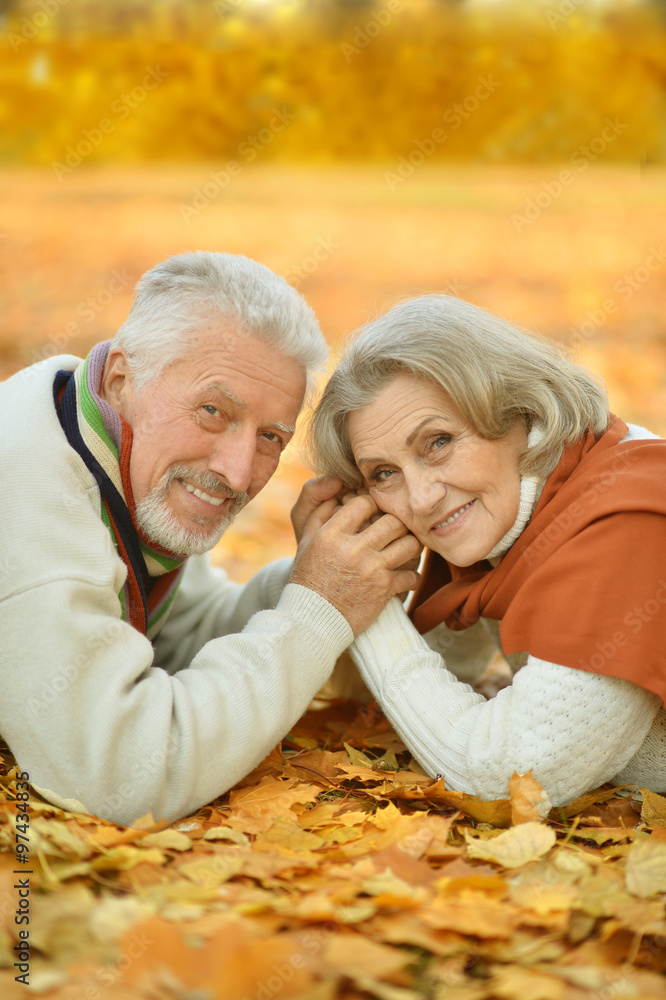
233 460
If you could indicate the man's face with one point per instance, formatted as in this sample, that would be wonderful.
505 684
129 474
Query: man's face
207 433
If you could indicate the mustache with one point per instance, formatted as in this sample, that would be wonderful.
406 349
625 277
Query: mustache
206 481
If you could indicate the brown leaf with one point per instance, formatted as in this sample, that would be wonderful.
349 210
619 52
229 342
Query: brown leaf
582 803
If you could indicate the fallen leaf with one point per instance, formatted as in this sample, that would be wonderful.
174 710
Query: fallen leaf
582 803
653 810
646 868
529 802
226 833
513 848
171 840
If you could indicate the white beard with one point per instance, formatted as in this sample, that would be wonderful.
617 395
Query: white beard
159 524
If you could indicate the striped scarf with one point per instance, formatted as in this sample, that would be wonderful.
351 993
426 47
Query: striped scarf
104 441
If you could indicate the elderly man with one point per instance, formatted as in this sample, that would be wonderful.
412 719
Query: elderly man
137 678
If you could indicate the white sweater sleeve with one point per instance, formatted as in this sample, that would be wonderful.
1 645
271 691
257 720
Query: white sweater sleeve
99 728
208 604
573 729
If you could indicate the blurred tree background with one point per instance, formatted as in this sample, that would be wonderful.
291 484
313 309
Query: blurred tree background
511 153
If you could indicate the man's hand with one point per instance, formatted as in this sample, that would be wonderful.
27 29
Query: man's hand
356 565
316 493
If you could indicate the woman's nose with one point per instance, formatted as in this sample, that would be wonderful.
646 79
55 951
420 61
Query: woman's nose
425 490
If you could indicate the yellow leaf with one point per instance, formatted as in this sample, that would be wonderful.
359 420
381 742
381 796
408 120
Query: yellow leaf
215 870
529 802
125 856
653 810
354 955
357 757
528 984
170 840
646 868
226 833
289 834
515 847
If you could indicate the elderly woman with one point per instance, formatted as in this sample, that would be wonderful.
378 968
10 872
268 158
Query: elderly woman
539 510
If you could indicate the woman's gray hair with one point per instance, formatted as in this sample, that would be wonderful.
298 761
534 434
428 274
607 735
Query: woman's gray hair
184 293
494 373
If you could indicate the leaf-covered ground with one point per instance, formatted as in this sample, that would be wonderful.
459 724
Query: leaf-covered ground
338 870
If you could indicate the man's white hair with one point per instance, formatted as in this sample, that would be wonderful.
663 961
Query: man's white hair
188 291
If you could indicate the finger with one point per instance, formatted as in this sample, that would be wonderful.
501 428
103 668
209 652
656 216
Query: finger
354 513
322 513
400 553
412 563
405 580
383 530
314 492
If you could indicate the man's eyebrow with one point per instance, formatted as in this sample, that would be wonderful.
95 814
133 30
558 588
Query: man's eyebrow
411 437
241 404
221 387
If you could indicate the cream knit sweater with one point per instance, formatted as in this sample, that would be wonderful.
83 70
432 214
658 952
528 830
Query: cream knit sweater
102 721
573 729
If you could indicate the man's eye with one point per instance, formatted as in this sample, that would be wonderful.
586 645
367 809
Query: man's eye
212 410
273 439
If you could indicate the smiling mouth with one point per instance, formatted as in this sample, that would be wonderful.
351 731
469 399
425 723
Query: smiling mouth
215 501
453 517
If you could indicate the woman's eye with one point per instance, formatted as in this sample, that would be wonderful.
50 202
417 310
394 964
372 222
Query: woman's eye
381 475
441 440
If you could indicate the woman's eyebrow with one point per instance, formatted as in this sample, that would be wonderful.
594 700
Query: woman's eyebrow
427 420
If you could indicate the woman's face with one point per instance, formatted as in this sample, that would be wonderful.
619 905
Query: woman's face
420 460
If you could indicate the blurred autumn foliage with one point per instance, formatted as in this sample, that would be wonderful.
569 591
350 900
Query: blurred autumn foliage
503 82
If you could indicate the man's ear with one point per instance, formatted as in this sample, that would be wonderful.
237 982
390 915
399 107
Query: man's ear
116 385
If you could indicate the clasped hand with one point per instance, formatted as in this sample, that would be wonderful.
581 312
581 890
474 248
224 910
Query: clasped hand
350 553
